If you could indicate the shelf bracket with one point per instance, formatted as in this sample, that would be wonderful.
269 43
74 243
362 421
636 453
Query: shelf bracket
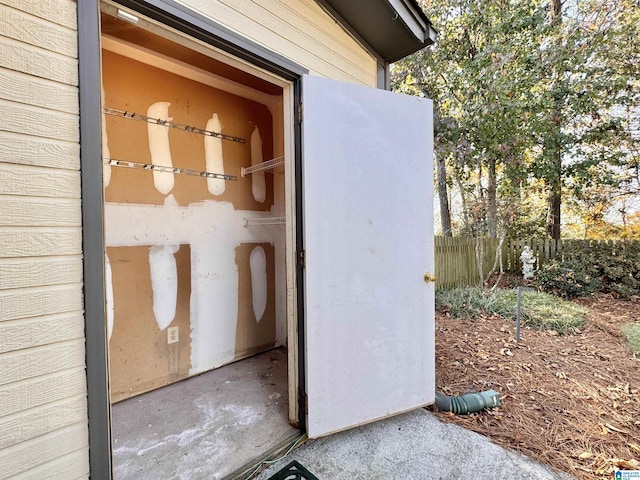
254 222
268 165
166 123
161 168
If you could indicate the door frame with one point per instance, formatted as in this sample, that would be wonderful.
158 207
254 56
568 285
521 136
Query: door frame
199 27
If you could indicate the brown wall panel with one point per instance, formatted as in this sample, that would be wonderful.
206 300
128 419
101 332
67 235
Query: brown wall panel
133 86
140 359
253 336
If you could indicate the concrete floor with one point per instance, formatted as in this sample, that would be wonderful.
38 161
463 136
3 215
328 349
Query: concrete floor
204 427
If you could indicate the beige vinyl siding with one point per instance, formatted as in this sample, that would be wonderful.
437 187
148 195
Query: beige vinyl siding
299 30
27 456
43 415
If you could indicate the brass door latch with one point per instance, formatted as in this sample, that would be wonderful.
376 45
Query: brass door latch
428 277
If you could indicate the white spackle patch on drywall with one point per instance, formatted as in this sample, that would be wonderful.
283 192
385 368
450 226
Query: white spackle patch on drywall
258 264
164 277
258 185
214 284
108 281
106 169
213 156
170 202
164 283
159 146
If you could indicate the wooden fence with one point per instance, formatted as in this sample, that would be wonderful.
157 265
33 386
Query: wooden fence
459 261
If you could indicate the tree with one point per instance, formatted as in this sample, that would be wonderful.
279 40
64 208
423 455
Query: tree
585 78
552 143
529 93
443 194
476 78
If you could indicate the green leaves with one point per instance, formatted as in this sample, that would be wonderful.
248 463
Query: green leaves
588 267
543 100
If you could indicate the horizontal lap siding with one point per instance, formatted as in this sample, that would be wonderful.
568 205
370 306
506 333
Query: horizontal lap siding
39 271
299 30
43 419
47 448
27 333
20 149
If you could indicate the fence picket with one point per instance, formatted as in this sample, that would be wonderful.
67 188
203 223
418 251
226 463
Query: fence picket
456 261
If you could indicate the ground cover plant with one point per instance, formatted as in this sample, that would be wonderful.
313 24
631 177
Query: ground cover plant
570 400
632 333
538 309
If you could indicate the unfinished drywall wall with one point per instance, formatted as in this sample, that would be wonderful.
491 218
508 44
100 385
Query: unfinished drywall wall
231 310
142 356
189 103
256 328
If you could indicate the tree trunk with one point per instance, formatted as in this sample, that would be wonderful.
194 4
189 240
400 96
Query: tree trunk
554 200
445 212
492 202
463 199
479 212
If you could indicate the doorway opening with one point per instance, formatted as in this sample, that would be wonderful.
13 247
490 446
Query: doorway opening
199 208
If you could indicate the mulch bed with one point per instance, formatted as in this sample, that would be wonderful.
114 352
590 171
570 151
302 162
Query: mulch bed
572 401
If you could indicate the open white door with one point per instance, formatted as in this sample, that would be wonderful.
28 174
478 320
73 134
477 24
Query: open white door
368 234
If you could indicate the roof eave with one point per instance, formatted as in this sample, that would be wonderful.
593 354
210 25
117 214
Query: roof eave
390 29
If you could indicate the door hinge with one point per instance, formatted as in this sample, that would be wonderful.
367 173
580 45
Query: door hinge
303 401
301 258
300 110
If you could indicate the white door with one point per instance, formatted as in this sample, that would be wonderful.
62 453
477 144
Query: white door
368 235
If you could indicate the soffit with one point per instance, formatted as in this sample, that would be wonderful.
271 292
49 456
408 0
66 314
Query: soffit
393 29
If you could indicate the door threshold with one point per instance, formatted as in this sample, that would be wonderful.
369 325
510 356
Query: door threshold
281 450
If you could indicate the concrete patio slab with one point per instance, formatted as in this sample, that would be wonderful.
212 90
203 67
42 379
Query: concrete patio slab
412 446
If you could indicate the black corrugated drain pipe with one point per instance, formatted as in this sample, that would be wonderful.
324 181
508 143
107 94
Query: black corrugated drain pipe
468 403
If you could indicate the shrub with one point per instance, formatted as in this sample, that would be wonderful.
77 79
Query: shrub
569 278
589 267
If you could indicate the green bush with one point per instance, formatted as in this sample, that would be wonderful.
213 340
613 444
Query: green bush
589 267
538 309
569 278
